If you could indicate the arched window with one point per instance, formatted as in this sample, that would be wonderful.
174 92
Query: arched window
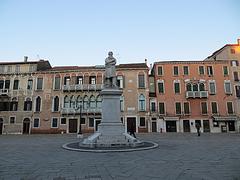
27 104
92 102
56 104
79 101
201 87
38 104
14 104
99 102
121 103
195 87
142 106
85 102
189 87
72 102
66 102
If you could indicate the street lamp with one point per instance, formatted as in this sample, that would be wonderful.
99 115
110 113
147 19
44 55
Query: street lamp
79 135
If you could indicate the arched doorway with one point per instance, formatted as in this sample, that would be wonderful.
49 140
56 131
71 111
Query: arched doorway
26 126
1 126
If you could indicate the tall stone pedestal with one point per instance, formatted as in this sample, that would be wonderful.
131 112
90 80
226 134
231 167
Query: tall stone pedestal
111 131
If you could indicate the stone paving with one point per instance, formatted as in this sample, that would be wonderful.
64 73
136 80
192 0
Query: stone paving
179 156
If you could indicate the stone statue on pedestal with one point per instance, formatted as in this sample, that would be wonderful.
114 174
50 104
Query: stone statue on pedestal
110 71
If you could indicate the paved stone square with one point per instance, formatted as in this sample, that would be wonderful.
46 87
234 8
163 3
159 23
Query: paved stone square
179 156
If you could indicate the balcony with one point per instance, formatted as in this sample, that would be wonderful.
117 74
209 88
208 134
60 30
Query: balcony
77 111
83 87
197 94
4 92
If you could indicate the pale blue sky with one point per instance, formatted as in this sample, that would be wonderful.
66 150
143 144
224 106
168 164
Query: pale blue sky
81 32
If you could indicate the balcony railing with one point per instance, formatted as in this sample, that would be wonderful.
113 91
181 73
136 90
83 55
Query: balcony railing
197 94
4 91
77 111
83 87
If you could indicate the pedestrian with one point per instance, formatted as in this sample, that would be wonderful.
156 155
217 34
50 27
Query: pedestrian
131 130
198 128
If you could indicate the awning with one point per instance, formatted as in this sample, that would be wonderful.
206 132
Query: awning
174 118
225 118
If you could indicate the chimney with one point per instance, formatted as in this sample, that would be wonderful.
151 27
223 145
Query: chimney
25 58
145 61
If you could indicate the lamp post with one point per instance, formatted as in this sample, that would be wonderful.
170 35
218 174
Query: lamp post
79 135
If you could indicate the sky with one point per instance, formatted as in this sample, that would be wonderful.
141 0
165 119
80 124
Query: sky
82 32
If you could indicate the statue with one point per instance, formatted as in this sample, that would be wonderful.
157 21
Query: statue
110 71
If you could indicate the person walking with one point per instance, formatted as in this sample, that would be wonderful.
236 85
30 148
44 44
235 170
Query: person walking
198 128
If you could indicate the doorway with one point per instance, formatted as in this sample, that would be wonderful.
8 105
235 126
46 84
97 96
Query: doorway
72 125
171 126
231 126
131 123
1 126
96 123
26 126
186 126
206 127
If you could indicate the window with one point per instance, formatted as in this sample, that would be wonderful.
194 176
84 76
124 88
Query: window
201 87
92 102
161 108
227 87
178 108
36 122
66 80
92 80
38 104
99 102
91 122
235 75
188 87
161 87
17 68
1 84
214 107
195 87
175 71
232 51
83 121
14 105
229 107
142 122
66 102
79 80
204 107
212 87
16 84
210 70
186 106
7 84
120 81
121 103
72 102
142 103
237 89
2 69
225 70
160 71
57 81
39 83
54 123
185 70
201 70
63 121
177 87
234 63
32 68
141 81
85 102
12 119
153 107
56 104
29 84
9 69
27 105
